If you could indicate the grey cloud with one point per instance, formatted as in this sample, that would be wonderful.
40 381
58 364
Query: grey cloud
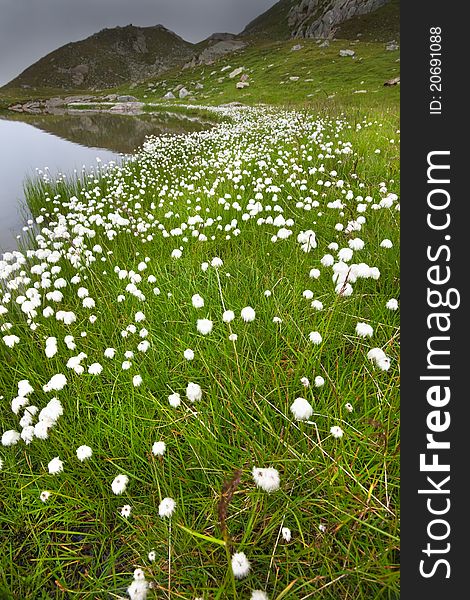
29 29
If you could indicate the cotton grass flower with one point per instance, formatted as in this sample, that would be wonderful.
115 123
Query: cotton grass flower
152 555
392 304
110 353
158 448
304 381
126 511
386 243
336 431
137 380
193 392
315 337
319 381
84 453
10 438
174 400
301 409
286 534
233 337
240 565
44 496
119 484
259 595
188 354
349 407
364 330
138 590
197 301
95 369
55 383
55 466
248 314
267 479
228 316
204 326
166 507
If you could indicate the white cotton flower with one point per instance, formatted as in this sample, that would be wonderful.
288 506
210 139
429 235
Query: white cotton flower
136 380
317 305
233 337
268 293
375 354
27 434
267 479
10 438
336 431
248 314
216 262
109 353
17 404
84 453
307 294
277 320
119 484
392 304
24 388
301 409
228 316
193 392
55 466
315 337
166 507
56 383
356 244
143 346
126 365
82 292
286 534
152 555
159 448
319 381
327 260
188 354
138 590
11 340
345 254
51 347
139 317
197 301
176 253
304 381
386 243
95 369
240 565
384 363
344 289
364 330
44 496
204 326
258 595
314 273
88 303
174 400
349 407
204 266
126 511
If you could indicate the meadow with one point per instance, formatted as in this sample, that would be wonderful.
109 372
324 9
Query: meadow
200 367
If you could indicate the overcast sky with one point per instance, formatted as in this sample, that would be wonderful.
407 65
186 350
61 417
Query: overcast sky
29 29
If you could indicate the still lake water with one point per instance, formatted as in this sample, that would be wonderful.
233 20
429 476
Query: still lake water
65 143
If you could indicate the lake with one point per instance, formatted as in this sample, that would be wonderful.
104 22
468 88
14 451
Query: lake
64 144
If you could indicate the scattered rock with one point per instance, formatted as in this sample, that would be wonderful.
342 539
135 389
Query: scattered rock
324 44
244 77
347 52
294 78
110 98
127 107
126 99
199 86
242 84
392 46
236 72
183 93
169 96
394 81
296 47
360 92
178 88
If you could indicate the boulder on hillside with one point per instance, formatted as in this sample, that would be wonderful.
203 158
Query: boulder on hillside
183 93
169 96
126 99
236 72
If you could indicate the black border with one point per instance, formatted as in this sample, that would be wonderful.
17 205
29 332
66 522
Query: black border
421 133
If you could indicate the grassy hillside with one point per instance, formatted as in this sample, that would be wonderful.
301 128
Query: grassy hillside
272 23
107 58
273 68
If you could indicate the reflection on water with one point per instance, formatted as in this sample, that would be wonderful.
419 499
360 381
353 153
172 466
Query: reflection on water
65 143
119 133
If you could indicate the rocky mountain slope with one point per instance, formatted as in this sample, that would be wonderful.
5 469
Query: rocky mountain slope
318 18
108 58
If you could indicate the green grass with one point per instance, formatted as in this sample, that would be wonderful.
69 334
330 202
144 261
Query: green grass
76 545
